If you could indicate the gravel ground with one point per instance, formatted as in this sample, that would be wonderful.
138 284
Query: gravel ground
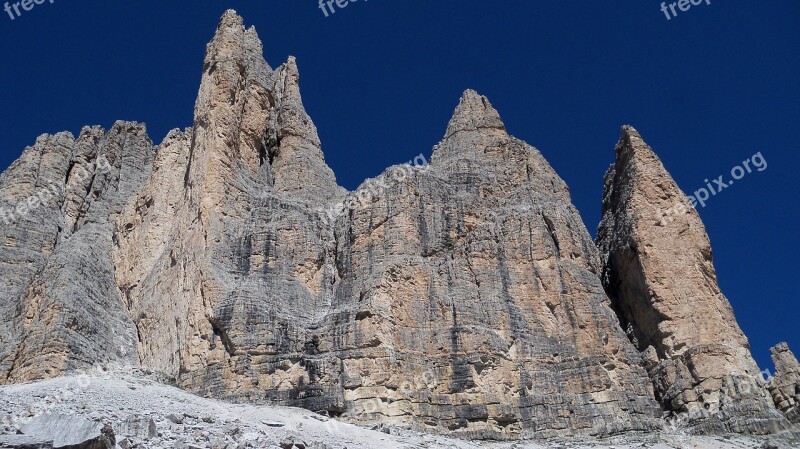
146 413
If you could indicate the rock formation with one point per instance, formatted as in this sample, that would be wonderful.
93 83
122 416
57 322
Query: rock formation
464 296
785 385
658 271
59 295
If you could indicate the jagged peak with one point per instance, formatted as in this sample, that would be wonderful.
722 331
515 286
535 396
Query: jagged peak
783 356
291 74
291 65
288 87
230 18
632 151
232 41
474 112
631 144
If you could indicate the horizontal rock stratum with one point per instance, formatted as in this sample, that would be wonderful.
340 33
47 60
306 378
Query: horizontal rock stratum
463 297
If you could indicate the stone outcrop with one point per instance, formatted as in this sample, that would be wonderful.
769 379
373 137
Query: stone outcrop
464 296
658 271
785 384
286 290
59 296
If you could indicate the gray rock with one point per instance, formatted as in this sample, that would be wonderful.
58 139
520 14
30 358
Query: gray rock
138 426
785 384
24 442
70 432
175 419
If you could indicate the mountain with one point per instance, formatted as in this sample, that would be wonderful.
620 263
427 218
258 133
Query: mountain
658 270
462 296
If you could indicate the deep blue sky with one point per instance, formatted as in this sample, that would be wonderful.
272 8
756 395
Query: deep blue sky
380 79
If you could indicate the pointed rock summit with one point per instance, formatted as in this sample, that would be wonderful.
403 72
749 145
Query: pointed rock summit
474 113
659 274
474 126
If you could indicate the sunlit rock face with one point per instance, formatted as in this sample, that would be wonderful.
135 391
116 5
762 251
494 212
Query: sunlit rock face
464 296
658 271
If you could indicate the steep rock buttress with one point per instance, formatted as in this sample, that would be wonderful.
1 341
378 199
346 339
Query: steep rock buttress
658 271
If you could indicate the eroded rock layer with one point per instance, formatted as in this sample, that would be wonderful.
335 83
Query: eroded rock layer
462 296
658 271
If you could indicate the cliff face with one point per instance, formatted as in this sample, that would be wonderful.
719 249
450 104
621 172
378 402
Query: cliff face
477 277
59 299
462 296
660 276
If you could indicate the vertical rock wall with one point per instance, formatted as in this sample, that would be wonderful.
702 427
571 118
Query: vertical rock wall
659 273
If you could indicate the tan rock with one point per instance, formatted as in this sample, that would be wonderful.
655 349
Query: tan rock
462 297
785 384
660 276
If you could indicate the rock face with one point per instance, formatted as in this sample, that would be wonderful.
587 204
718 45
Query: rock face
58 292
24 442
658 271
462 296
398 303
785 385
469 297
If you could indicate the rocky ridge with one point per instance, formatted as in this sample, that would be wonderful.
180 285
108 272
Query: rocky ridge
464 296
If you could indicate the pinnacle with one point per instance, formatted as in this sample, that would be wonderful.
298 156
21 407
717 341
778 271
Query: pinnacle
631 146
230 18
474 112
291 65
630 137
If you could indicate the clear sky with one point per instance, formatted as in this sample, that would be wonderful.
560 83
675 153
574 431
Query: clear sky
707 89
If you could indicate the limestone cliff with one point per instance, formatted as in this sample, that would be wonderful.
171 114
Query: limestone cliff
660 276
463 296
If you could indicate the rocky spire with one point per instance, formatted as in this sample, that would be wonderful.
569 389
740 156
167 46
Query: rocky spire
475 125
474 113
459 297
295 151
232 112
658 271
258 122
785 385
